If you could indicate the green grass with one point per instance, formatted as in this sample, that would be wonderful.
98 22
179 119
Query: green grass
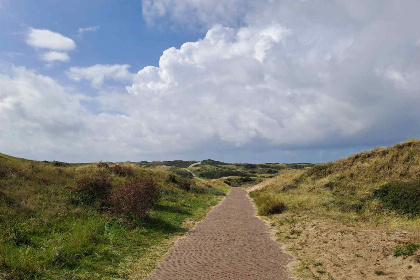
45 233
406 250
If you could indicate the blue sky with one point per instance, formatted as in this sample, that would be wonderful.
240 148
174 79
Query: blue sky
232 80
121 33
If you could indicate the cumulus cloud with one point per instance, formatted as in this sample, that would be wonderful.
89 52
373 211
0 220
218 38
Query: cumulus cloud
56 56
36 107
295 77
98 73
299 73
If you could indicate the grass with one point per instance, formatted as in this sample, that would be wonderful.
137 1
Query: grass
378 186
47 233
406 250
403 197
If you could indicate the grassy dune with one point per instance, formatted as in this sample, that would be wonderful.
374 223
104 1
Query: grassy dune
48 232
347 219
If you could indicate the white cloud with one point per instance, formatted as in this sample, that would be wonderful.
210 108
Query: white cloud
57 44
98 73
46 39
81 30
296 75
56 56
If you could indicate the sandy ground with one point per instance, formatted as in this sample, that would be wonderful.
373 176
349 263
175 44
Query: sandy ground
261 185
328 249
231 243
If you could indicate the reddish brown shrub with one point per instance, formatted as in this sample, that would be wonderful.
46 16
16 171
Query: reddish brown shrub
122 170
102 165
93 187
135 199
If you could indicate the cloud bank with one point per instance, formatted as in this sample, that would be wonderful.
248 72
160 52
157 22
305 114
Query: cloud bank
295 76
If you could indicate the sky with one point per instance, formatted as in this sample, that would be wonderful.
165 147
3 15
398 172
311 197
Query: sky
231 80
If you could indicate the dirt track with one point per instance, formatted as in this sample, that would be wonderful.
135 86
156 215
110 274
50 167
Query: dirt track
231 243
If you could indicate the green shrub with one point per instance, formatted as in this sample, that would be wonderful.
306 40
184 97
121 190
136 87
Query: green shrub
403 197
60 164
219 173
212 162
181 182
181 172
407 250
178 163
93 187
238 182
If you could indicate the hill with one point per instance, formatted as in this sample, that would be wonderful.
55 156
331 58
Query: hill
93 221
363 210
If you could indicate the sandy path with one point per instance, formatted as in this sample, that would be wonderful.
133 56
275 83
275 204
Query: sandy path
192 173
231 243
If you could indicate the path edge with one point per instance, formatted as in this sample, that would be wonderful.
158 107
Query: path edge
273 232
176 239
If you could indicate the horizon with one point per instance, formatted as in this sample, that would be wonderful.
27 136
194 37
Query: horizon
227 162
236 81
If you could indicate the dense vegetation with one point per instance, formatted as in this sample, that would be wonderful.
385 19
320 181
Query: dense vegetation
174 163
93 221
370 184
242 181
212 169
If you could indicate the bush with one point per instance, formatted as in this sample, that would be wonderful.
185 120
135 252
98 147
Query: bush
212 162
135 199
270 204
102 165
122 170
6 171
275 207
403 197
178 163
93 187
182 172
60 164
182 183
219 173
238 182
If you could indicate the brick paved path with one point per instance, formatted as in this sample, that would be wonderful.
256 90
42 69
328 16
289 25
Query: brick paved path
231 243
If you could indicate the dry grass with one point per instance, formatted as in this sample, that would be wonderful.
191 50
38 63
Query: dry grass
339 195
